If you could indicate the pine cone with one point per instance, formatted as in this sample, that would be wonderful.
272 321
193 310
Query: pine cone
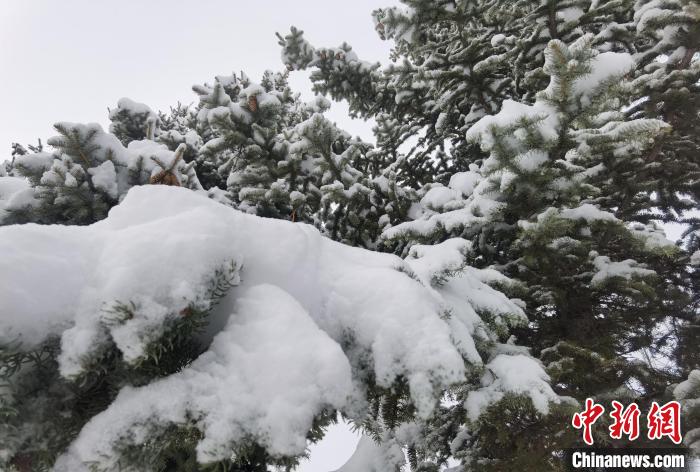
165 177
380 29
187 311
253 103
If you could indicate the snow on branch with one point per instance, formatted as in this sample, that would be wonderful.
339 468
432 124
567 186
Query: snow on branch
310 321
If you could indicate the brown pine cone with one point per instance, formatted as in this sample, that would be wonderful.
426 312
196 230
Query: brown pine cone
253 103
165 177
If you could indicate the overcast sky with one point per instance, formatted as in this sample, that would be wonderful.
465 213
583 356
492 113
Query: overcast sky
69 60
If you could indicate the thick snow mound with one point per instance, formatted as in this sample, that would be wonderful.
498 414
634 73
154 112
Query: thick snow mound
308 322
266 376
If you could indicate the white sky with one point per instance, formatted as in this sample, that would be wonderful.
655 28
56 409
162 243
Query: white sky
69 60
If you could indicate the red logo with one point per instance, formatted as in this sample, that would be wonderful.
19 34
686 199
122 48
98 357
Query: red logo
626 421
665 421
662 421
586 419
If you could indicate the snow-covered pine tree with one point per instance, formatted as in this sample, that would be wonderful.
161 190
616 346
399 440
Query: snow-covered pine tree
73 360
255 146
280 157
667 89
532 211
474 162
666 177
667 80
133 121
177 126
459 61
455 61
89 172
230 354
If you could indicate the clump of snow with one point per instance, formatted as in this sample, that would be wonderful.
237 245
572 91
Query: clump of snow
434 260
511 373
497 39
589 213
104 177
444 267
479 208
438 198
604 67
531 161
131 116
652 234
130 106
650 14
96 267
584 212
570 14
607 269
15 194
300 298
465 182
265 377
37 162
511 114
263 99
689 387
695 258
